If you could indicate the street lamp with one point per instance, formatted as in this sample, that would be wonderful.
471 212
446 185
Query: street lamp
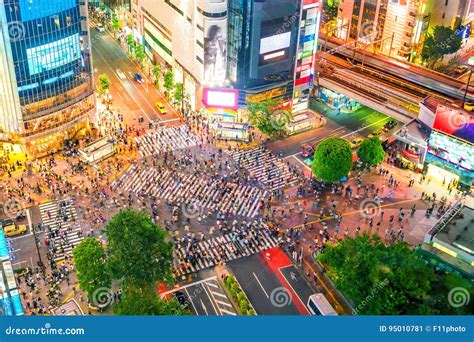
470 64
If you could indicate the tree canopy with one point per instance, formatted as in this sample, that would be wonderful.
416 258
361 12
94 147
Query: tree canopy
332 159
441 41
168 78
371 151
90 261
267 118
144 302
104 84
137 250
388 280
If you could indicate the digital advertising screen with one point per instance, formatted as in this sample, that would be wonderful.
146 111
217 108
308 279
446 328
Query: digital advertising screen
53 55
454 122
215 51
34 9
275 42
452 150
220 98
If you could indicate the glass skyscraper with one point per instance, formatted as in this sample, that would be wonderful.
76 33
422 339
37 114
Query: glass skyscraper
46 72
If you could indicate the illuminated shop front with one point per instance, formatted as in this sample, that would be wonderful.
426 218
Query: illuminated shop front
451 145
225 120
49 71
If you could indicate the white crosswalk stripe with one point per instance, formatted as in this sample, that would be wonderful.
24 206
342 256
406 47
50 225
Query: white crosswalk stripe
60 225
209 253
166 139
266 167
181 188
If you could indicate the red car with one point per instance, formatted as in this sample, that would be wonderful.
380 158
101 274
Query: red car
307 150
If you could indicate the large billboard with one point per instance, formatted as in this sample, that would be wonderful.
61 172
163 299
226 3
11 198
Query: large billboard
221 98
53 55
34 9
454 122
215 53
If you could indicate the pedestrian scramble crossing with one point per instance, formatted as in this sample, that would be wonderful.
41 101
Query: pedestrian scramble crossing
184 189
209 253
61 229
166 139
266 167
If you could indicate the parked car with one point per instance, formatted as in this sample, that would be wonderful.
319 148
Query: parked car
389 125
10 228
161 107
138 77
376 133
356 142
308 161
100 28
460 69
307 150
469 106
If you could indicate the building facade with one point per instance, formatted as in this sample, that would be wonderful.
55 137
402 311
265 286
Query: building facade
187 37
396 28
47 85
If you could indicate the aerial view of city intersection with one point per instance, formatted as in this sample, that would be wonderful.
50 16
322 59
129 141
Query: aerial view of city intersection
236 158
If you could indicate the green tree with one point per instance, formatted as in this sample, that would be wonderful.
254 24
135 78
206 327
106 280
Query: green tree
330 8
140 53
145 302
104 84
131 44
371 151
115 22
332 159
156 71
91 267
168 78
386 280
179 92
442 41
264 116
137 249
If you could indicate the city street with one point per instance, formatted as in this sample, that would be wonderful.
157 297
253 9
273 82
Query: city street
135 99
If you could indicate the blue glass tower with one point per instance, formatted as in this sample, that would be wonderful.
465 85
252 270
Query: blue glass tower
45 53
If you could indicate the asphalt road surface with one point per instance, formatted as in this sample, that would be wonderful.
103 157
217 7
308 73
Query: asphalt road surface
262 286
131 97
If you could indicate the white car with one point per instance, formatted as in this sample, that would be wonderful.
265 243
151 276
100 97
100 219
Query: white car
100 28
120 74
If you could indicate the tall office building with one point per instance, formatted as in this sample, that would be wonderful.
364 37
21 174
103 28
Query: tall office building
262 48
46 83
396 27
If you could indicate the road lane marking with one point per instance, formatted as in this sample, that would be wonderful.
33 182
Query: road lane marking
192 303
186 286
259 283
211 298
204 307
223 303
219 294
228 312
133 85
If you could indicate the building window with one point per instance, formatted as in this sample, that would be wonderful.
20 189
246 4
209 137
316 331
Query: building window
199 60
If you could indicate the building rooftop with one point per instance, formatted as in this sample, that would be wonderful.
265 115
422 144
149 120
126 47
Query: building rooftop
458 232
